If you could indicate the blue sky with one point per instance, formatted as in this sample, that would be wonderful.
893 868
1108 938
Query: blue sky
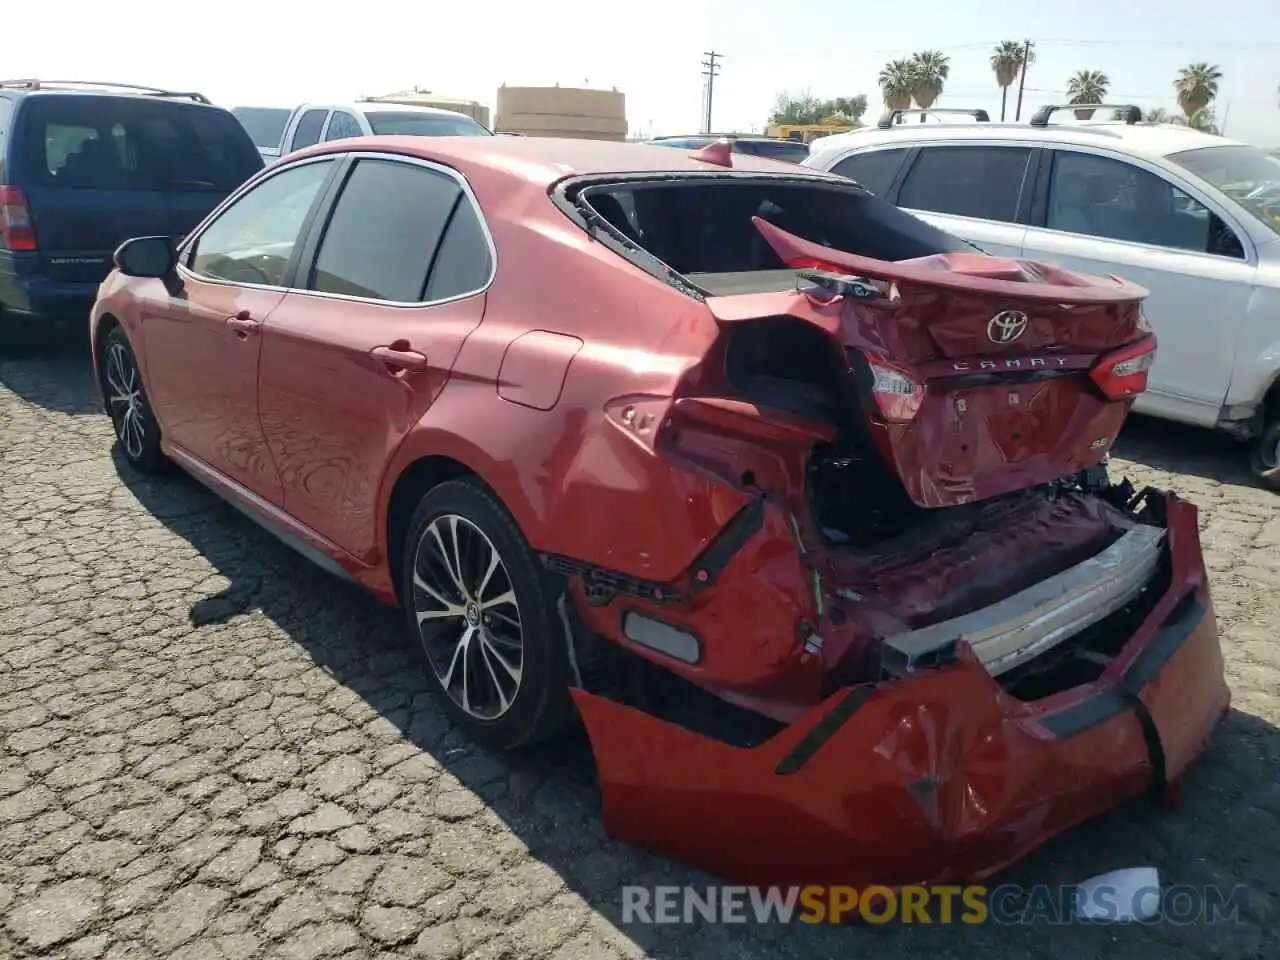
242 51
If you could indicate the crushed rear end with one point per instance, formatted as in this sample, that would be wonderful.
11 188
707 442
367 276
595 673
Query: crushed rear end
935 633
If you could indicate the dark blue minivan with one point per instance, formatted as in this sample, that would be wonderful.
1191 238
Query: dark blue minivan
84 167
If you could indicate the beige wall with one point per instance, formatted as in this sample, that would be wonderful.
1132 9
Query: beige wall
562 112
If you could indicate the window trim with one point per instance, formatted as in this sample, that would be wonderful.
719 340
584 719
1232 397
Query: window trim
310 248
1023 205
1041 209
192 240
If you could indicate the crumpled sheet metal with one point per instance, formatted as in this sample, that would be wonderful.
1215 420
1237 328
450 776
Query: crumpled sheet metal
942 777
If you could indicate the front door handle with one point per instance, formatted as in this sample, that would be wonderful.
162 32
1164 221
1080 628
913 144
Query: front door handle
398 356
243 324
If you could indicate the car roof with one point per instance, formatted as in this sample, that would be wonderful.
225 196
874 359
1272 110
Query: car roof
543 161
1148 140
723 136
17 89
367 106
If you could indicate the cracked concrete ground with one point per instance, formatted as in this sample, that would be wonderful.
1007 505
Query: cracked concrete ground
210 750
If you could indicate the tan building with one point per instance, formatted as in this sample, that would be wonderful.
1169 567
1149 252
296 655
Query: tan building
425 98
562 112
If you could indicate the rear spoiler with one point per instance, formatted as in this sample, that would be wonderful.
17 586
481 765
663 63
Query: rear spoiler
974 273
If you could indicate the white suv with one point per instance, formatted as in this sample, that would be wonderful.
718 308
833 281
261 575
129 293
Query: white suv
1192 217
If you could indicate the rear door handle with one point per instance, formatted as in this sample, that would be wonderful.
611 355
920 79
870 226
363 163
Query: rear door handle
243 324
400 357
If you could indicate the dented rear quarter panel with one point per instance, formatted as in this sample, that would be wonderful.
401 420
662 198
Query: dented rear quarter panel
581 480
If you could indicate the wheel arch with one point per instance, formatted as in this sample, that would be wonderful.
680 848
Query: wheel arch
101 330
415 480
426 460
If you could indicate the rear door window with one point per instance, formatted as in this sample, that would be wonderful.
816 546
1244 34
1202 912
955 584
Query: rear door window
308 129
342 125
984 182
875 169
384 232
114 143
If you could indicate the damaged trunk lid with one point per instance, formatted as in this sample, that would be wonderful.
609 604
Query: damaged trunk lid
974 375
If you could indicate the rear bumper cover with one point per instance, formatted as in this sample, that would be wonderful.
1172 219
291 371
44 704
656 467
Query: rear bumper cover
939 776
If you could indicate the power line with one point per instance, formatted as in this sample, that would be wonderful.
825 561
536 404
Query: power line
710 70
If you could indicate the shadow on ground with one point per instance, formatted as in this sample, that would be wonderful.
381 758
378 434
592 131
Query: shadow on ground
1223 833
55 376
1164 445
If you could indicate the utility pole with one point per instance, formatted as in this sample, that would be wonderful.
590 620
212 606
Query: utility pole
710 70
1022 78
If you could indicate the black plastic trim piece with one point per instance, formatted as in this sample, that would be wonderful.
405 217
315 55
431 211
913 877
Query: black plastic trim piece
711 562
824 730
1089 713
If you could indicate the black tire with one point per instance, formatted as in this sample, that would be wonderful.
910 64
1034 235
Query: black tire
539 706
136 429
1264 456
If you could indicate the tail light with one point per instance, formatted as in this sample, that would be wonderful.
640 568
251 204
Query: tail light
896 392
1123 374
16 231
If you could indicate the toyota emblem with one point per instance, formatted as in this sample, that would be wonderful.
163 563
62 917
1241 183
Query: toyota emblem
1006 326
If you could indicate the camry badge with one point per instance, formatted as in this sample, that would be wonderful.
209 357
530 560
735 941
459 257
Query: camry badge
1006 326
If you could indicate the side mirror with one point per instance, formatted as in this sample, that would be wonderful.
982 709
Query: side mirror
152 257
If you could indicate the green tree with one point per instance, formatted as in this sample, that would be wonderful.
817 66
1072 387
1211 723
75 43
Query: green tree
1007 61
929 72
896 83
1202 120
1196 87
804 108
1087 86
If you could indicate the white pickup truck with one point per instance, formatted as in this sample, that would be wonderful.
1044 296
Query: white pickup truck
278 131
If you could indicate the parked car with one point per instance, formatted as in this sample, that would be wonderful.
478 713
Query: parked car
801 505
83 167
1194 218
281 130
793 151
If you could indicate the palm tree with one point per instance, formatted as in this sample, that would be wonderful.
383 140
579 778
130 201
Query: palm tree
1202 120
895 85
1008 60
1154 115
929 72
1087 86
1196 87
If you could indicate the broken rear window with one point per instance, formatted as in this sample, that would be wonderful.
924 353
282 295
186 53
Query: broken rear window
702 227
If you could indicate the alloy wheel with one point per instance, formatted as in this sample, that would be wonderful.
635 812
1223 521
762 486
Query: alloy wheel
125 400
468 617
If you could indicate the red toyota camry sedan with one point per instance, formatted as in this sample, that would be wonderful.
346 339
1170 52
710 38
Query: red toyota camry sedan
800 505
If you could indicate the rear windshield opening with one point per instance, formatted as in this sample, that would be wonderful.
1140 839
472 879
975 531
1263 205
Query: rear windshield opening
704 230
265 125
107 143
409 124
